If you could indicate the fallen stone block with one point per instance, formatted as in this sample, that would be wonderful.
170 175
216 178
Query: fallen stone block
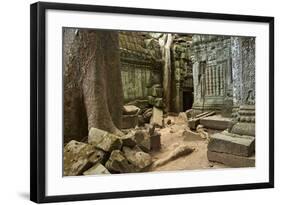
193 123
155 141
243 146
118 163
129 139
130 110
109 143
142 139
157 117
75 158
98 156
96 169
137 157
150 128
96 135
231 160
215 122
129 121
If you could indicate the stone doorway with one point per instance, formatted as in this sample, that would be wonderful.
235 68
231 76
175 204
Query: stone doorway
187 100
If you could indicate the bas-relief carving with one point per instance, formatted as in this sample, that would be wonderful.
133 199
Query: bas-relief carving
230 69
212 82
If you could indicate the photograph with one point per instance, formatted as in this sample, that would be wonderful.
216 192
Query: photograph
139 101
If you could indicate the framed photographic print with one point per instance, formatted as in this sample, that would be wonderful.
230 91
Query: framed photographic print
129 102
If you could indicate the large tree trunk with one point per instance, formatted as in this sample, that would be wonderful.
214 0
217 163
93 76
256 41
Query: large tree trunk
102 87
99 77
166 43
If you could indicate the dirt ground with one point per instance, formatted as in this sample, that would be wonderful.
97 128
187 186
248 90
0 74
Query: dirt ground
173 136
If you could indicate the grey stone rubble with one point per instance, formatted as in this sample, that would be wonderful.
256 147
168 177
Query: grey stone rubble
107 153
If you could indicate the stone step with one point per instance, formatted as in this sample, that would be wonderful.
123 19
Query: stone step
215 122
231 160
241 146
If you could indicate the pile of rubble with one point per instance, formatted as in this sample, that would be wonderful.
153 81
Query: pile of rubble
235 146
106 153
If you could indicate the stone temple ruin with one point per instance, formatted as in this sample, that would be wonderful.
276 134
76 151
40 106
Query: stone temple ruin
199 114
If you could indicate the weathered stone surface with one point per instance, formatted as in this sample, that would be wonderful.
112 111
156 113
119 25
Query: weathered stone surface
129 139
130 110
150 128
231 160
76 158
129 121
158 102
243 128
139 136
216 122
95 135
96 169
98 156
155 141
157 117
142 139
157 92
118 163
151 100
137 157
192 123
109 143
241 146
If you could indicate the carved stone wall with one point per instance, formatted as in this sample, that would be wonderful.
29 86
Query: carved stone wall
140 65
212 78
223 72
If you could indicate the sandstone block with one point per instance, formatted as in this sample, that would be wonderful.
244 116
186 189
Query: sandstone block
215 122
137 157
96 135
231 160
192 123
157 117
130 110
109 143
129 139
155 141
98 156
118 163
241 146
129 121
76 158
96 169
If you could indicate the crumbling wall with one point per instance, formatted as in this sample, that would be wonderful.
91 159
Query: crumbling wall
140 64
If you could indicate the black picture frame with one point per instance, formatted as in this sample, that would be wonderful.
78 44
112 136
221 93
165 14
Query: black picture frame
38 100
